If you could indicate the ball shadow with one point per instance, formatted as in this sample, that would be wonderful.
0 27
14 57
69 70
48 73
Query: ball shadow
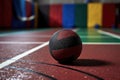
88 62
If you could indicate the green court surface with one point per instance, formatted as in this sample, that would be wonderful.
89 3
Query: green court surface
95 36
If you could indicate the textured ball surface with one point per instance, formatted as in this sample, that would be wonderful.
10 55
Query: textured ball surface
65 46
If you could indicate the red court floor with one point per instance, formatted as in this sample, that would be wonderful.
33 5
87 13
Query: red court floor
24 55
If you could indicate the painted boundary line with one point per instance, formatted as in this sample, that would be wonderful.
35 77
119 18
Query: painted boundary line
14 59
15 42
108 33
36 36
101 43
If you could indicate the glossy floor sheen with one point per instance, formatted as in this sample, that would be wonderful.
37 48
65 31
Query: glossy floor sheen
99 59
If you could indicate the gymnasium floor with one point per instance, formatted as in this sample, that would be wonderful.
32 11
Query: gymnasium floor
24 55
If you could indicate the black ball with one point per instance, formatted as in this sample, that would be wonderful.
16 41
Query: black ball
65 46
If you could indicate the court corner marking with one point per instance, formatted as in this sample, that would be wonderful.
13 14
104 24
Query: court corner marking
108 33
14 59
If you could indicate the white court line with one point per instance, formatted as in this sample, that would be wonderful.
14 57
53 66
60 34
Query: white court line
29 36
109 34
14 42
101 43
14 59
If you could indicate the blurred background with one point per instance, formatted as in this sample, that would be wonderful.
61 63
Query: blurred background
37 14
